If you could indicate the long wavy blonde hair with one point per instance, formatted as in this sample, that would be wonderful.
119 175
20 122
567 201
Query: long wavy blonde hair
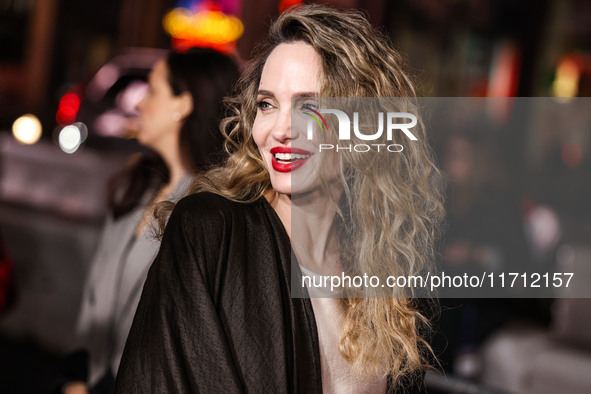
397 210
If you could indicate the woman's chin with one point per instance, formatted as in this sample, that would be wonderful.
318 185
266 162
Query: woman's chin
282 189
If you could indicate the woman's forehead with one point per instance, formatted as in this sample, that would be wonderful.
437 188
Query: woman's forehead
293 66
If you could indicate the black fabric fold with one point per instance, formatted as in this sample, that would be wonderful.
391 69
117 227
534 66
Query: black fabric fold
216 313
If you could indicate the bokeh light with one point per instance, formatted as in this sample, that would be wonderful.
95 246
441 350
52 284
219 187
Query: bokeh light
27 129
68 109
130 97
205 26
111 123
285 4
71 137
568 74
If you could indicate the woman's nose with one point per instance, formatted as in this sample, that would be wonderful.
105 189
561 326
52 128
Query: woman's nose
140 105
283 130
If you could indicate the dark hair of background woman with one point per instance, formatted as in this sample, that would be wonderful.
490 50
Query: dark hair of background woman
208 76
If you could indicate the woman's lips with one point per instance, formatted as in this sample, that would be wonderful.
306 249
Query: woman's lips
287 159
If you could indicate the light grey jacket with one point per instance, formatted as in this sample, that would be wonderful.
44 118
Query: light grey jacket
114 285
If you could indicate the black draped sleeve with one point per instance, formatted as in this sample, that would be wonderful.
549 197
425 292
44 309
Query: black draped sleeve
216 313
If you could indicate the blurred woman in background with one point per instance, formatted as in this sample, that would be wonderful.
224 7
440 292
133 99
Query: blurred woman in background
179 121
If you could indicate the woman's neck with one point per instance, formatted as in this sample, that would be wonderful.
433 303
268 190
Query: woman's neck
309 224
176 167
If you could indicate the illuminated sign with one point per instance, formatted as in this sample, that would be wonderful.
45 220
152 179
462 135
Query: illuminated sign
204 24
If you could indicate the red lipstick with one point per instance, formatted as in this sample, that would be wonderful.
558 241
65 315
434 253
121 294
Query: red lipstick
284 164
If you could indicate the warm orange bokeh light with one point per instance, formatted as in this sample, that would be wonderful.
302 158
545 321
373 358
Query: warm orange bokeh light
209 28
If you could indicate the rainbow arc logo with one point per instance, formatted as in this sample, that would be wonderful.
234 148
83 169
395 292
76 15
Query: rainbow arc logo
317 117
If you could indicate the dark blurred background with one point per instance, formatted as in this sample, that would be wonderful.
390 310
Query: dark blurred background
72 71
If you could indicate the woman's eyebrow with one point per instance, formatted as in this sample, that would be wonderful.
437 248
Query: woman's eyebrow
265 93
297 94
306 94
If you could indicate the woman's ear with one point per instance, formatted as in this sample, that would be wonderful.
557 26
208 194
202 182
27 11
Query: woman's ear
185 104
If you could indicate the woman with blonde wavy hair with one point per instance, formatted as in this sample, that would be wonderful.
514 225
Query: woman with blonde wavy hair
221 310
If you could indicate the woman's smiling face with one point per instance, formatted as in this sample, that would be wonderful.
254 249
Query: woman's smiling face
292 71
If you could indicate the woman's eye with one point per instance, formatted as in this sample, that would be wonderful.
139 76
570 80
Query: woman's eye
310 107
263 105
